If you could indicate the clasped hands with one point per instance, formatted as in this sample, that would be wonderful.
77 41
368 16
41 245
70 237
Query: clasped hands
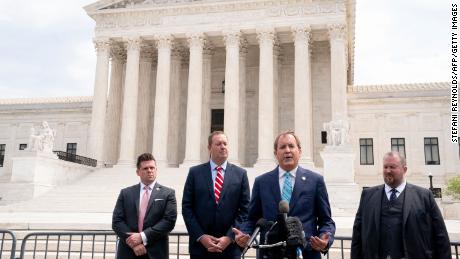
214 244
317 243
135 242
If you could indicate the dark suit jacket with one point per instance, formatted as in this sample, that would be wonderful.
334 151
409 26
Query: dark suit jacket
201 213
159 220
424 231
309 202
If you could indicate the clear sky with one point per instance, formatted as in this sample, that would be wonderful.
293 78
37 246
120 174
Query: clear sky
46 46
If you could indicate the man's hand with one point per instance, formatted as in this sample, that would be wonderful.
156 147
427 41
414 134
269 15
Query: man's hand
320 243
134 239
210 243
139 250
240 237
223 242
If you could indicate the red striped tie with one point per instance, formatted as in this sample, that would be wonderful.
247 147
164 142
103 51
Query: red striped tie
218 183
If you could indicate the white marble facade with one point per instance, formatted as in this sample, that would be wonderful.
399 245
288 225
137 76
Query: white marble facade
286 65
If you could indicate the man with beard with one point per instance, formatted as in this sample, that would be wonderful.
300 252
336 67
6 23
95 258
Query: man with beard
398 219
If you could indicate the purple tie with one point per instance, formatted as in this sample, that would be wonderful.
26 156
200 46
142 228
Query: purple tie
143 208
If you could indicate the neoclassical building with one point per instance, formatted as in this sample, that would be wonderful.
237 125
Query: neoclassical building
170 72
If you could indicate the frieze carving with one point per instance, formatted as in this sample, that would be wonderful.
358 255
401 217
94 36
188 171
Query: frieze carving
137 15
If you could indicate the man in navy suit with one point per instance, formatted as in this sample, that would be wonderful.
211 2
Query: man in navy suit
304 190
144 215
398 219
215 199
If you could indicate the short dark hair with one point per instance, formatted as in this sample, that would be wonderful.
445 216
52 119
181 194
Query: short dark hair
216 132
144 157
401 157
284 133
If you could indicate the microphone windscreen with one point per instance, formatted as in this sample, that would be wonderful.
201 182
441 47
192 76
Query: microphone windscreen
261 222
295 235
283 207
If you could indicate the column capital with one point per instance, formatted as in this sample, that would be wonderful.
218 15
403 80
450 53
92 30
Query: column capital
196 39
337 31
301 33
118 52
208 50
133 43
101 44
243 47
265 35
232 38
164 41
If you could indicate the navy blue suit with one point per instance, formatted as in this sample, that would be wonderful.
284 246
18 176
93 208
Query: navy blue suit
203 216
309 202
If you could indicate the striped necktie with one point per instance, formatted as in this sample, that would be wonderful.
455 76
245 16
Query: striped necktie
218 183
287 187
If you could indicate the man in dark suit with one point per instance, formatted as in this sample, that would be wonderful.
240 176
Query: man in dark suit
144 215
304 190
398 219
215 199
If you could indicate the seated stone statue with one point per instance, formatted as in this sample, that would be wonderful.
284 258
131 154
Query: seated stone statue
43 141
337 132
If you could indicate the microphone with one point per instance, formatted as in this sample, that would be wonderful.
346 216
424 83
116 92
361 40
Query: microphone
260 224
283 208
295 234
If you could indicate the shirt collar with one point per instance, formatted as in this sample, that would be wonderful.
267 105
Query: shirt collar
150 185
400 188
214 165
281 172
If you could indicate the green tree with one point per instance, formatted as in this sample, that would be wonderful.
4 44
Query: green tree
453 187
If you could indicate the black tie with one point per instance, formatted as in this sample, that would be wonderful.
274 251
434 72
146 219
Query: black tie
393 195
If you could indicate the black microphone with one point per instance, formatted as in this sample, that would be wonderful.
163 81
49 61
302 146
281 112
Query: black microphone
260 224
295 233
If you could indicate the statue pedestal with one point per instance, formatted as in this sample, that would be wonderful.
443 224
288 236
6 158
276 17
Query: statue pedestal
344 193
42 171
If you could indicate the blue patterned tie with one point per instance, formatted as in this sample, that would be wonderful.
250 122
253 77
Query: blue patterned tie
393 195
287 188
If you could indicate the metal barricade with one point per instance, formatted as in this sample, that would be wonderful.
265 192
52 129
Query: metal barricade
7 244
455 245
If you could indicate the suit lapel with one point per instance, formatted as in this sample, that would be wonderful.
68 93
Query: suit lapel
208 179
274 181
229 177
409 199
153 195
376 203
300 178
136 193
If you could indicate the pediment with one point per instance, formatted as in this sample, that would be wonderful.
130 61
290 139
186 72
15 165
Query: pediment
129 4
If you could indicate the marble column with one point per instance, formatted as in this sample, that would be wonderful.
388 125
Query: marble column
265 157
338 42
174 103
194 100
303 100
114 105
242 108
143 104
206 113
98 111
232 93
161 117
129 113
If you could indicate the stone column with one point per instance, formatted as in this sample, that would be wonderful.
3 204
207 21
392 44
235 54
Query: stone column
114 105
338 41
303 101
242 108
174 103
161 117
98 111
276 59
129 113
194 100
143 105
206 113
232 93
266 94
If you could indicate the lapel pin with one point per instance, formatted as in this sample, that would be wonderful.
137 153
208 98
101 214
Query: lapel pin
158 188
304 178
